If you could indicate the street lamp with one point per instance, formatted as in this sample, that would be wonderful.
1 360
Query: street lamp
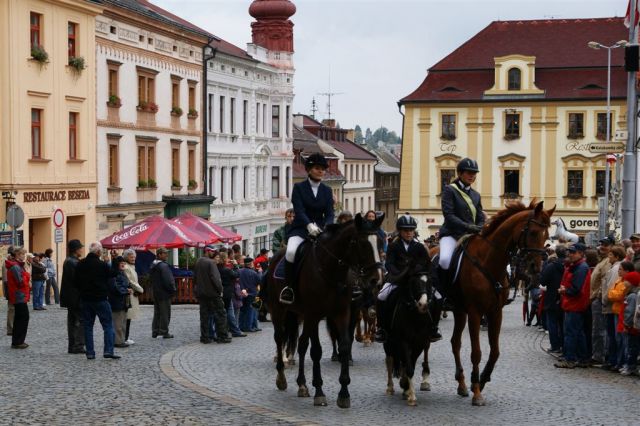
208 53
597 46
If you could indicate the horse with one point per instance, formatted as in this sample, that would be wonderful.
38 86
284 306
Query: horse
562 233
324 291
482 288
409 329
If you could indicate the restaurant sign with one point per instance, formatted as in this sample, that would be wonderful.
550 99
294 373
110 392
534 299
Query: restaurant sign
43 196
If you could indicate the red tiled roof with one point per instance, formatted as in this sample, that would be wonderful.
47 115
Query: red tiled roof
565 66
352 151
173 17
231 49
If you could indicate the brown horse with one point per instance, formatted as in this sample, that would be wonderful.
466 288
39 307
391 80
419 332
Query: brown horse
324 291
482 288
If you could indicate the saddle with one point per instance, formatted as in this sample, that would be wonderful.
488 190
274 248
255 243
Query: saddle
278 271
449 277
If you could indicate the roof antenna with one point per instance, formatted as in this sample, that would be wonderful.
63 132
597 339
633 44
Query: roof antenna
314 108
330 94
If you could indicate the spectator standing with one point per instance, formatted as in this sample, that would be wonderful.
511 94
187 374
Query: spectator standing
130 270
598 280
616 296
18 287
5 289
164 287
229 275
208 283
630 333
635 246
616 257
250 282
92 276
574 299
38 279
550 279
382 236
118 292
52 283
280 235
70 298
262 261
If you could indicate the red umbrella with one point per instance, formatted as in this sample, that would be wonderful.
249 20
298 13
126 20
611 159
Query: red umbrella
202 226
154 232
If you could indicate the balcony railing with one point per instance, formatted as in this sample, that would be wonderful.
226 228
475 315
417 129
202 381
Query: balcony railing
387 194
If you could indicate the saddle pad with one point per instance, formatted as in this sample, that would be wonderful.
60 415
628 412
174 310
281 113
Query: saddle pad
278 271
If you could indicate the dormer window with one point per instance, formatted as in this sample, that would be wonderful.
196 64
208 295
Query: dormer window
515 77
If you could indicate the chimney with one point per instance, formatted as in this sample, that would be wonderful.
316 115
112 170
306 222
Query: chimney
329 123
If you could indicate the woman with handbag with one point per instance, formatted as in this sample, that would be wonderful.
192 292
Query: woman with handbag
134 303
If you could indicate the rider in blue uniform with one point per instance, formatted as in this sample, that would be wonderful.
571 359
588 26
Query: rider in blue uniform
313 205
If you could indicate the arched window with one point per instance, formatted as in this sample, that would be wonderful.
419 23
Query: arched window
514 79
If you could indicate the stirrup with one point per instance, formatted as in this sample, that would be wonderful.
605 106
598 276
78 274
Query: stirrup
287 296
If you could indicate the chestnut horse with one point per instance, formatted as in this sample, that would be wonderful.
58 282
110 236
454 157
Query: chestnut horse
482 288
324 291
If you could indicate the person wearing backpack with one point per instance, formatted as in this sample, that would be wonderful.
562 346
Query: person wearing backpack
631 335
574 300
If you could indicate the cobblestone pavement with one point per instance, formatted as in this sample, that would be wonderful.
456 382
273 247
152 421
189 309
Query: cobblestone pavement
178 381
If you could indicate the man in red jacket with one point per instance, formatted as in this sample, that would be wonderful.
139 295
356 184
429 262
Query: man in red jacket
574 299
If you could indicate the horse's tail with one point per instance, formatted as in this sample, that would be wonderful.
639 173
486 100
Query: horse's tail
291 332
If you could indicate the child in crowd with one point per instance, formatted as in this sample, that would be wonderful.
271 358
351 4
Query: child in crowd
616 296
631 335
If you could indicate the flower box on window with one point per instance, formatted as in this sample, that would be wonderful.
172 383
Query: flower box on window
114 101
601 136
192 113
448 137
39 55
176 111
192 184
147 107
77 63
175 183
511 137
575 135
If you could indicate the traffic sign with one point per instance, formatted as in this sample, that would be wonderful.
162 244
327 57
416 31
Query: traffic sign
15 216
606 147
58 235
58 218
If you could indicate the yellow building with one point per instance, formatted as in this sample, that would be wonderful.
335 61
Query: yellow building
525 99
47 117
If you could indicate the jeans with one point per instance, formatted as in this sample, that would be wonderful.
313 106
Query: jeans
622 347
633 348
598 331
102 310
612 346
38 294
248 314
52 284
20 323
575 345
553 325
231 318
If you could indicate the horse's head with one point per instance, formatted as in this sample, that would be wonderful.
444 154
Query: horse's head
363 251
417 291
531 234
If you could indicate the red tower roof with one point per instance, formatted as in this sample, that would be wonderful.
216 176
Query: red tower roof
273 30
272 9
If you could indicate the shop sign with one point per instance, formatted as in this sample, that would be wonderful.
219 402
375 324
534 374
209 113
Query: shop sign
583 223
6 238
44 196
261 229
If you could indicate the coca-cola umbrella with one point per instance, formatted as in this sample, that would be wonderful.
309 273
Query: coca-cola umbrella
202 226
154 232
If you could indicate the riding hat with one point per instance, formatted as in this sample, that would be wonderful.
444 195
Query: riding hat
468 165
406 222
316 159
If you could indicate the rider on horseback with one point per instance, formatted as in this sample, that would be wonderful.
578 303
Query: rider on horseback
405 251
313 205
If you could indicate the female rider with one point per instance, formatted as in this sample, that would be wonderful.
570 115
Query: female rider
313 205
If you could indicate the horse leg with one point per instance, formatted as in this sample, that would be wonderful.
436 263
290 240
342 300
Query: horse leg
495 322
426 371
344 350
476 356
278 336
389 362
409 370
460 319
303 344
359 334
319 398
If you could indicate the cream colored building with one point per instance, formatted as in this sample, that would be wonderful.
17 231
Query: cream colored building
525 99
47 117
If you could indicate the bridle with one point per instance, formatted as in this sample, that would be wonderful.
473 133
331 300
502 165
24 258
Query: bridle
360 271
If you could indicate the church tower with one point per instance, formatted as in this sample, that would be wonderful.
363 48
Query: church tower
272 32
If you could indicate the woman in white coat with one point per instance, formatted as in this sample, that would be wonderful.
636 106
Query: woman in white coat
130 271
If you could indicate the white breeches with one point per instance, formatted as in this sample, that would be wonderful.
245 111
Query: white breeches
292 246
447 246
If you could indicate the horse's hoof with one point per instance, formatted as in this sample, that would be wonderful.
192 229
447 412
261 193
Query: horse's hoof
390 391
358 339
281 383
320 401
412 402
303 392
344 402
367 343
334 358
478 401
463 391
425 387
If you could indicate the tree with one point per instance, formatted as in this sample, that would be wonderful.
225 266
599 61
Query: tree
358 138
368 136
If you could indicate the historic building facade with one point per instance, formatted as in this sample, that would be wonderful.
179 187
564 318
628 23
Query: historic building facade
525 99
47 124
249 127
149 97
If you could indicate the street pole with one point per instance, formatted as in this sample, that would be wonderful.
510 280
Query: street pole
629 175
607 165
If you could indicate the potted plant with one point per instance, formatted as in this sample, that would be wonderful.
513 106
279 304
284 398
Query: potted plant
176 111
77 63
176 183
575 135
40 55
192 113
142 106
448 137
152 107
114 101
192 184
143 184
152 183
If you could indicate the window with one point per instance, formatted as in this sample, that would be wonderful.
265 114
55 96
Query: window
574 183
514 79
288 121
361 204
601 126
245 183
576 125
600 182
369 208
351 175
146 164
358 172
264 119
275 182
72 30
211 180
346 204
245 117
210 109
448 127
368 172
175 164
113 68
73 135
192 95
146 88
257 117
512 128
233 194
36 133
446 177
36 23
192 165
286 183
175 92
113 164
275 121
223 172
232 112
221 114
511 183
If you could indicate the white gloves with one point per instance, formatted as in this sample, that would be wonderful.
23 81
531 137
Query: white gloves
313 229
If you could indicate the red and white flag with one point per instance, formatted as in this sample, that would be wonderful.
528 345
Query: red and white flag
627 16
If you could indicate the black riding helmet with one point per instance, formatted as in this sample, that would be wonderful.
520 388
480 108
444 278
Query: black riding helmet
406 222
316 160
467 164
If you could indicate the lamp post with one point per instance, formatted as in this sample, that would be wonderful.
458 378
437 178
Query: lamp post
595 45
208 53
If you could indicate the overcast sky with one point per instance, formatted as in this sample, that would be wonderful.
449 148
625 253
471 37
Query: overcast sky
376 51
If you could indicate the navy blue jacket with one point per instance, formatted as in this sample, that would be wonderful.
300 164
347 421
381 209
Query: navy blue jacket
551 277
249 280
456 212
309 208
398 258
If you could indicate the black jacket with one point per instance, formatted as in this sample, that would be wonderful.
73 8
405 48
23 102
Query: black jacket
550 277
69 292
92 278
206 278
456 211
309 208
229 277
398 258
118 290
38 271
162 281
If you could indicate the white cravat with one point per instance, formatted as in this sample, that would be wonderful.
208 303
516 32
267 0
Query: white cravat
461 185
406 246
314 187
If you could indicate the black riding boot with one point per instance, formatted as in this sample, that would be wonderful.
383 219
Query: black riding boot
381 335
435 310
287 295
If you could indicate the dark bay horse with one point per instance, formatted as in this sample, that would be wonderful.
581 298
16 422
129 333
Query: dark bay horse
482 288
324 291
